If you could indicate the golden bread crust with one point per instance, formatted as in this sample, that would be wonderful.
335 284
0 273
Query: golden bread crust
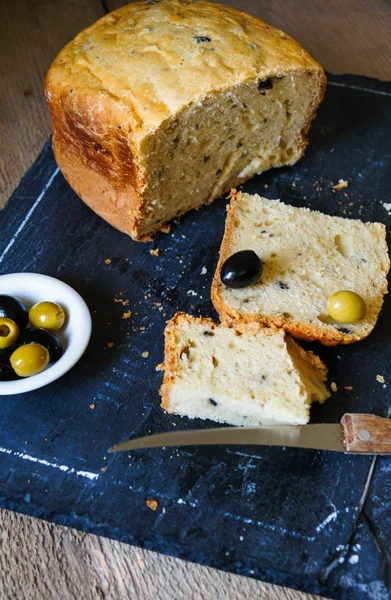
121 79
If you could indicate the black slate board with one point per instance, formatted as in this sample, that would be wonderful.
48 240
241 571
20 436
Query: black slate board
317 521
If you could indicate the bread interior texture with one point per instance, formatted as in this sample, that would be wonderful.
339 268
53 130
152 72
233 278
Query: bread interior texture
224 140
242 379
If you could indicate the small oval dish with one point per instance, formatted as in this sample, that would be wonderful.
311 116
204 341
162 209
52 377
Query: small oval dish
75 335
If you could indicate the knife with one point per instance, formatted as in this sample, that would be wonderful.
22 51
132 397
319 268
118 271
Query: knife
355 434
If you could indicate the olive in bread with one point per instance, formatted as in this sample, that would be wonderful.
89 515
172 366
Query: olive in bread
160 107
312 263
252 378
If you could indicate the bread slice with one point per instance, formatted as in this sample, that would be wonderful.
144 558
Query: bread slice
307 257
215 372
162 106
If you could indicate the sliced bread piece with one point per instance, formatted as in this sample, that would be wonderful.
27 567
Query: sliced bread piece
307 257
215 372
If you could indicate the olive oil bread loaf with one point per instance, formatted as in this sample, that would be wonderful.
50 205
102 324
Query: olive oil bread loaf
214 372
307 257
162 106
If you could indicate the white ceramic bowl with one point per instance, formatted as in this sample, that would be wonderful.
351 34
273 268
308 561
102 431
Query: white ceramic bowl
75 335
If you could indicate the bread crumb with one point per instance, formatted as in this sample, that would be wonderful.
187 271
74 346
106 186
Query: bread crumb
123 302
108 261
110 344
92 406
127 315
104 469
204 271
387 206
380 378
342 183
145 354
333 386
152 504
348 387
155 252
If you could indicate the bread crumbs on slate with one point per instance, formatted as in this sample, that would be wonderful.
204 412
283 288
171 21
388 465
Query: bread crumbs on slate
152 504
123 302
333 386
127 315
110 344
145 354
342 183
380 378
155 252
108 261
348 387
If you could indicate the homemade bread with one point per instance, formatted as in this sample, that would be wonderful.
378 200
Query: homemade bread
262 378
162 106
307 257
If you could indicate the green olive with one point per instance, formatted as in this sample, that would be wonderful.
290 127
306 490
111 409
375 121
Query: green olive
29 360
9 332
346 307
48 315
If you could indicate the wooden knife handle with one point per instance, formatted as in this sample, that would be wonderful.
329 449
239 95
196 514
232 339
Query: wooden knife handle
366 434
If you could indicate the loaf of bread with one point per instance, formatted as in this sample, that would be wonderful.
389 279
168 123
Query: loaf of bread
307 256
250 379
162 106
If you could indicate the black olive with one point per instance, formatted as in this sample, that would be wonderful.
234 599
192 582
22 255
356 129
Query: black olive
13 308
241 269
6 371
202 38
46 339
267 84
344 330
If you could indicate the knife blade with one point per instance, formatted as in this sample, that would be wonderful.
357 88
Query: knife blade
317 436
356 434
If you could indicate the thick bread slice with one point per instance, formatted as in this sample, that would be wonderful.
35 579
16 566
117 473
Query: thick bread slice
162 106
215 372
307 257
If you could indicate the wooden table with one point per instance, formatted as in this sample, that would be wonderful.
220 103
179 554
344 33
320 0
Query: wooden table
40 560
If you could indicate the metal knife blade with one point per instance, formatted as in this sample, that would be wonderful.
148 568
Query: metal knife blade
317 436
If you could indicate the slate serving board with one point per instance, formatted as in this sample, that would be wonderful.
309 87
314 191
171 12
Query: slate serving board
316 521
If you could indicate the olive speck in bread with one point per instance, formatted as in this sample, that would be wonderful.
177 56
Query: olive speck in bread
162 106
251 378
315 267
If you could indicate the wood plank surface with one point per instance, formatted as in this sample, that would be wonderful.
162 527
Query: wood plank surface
41 560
